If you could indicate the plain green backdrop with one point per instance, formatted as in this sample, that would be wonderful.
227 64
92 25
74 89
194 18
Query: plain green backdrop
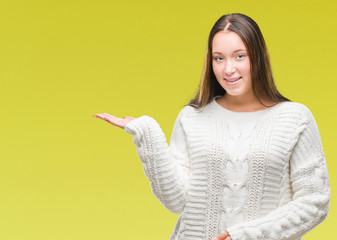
66 175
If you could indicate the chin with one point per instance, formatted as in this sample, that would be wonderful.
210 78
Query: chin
234 94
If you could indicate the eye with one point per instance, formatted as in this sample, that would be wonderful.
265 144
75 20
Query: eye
218 58
241 56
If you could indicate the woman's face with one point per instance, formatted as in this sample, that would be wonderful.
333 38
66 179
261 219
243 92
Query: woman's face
231 64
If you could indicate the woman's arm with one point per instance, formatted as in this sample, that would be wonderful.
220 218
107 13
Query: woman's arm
167 167
311 198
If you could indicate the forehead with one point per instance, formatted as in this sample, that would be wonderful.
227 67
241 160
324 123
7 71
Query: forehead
227 42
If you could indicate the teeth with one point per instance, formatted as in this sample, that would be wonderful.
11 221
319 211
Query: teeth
234 79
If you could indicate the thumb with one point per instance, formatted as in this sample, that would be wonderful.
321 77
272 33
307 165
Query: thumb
223 236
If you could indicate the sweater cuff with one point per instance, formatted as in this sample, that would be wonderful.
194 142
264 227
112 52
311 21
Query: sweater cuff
133 127
234 233
138 126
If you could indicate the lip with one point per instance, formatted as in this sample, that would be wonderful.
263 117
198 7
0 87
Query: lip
229 80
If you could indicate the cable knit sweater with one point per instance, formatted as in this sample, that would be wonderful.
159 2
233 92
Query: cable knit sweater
257 175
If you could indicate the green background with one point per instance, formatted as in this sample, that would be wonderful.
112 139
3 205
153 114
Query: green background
66 175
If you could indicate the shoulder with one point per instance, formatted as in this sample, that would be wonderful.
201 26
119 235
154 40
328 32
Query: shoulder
296 108
190 116
187 111
299 113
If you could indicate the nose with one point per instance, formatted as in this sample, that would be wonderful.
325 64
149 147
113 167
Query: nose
229 68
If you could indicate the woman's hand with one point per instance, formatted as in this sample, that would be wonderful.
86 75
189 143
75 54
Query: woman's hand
118 122
223 236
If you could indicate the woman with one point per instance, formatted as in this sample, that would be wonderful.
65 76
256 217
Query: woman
244 162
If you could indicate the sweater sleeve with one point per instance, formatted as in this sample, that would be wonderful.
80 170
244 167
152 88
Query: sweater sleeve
311 192
166 166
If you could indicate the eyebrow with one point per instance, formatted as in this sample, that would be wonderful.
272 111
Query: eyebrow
237 50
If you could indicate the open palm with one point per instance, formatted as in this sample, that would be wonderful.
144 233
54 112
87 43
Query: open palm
116 121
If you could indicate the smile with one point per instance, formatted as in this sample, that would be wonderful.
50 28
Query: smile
233 80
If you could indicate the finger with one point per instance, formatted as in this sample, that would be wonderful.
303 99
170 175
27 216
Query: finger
105 118
228 238
119 122
99 115
223 236
127 117
111 118
108 115
116 120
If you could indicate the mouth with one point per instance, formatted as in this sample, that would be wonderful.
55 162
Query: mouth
232 80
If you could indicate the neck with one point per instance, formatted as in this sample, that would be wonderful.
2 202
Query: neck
241 104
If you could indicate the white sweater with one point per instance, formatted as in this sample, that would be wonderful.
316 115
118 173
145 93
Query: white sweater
257 175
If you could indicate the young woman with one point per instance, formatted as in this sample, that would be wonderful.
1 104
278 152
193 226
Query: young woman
244 162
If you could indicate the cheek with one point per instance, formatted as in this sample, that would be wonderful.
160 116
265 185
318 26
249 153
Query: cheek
216 70
246 67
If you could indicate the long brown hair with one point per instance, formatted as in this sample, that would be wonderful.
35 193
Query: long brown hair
263 84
